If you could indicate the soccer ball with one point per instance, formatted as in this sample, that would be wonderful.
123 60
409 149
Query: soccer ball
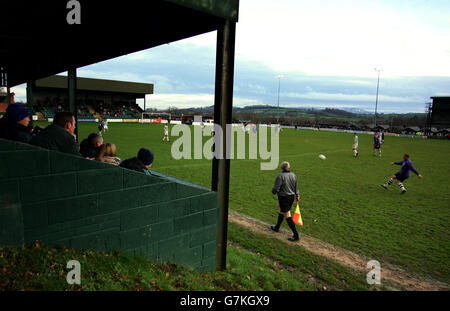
322 157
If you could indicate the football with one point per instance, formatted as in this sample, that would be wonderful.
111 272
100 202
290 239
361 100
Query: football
322 157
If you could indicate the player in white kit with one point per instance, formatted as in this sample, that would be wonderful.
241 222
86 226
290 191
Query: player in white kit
355 145
166 133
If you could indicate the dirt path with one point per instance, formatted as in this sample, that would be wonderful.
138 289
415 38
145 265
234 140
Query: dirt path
341 256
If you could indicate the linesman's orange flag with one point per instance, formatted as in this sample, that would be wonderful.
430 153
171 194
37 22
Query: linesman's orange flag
297 216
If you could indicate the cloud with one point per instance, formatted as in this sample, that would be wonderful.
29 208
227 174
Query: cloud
20 92
351 97
164 101
347 37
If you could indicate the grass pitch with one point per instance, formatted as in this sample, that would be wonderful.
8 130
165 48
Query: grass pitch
342 201
37 267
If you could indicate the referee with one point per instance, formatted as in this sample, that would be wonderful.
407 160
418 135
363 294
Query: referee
287 189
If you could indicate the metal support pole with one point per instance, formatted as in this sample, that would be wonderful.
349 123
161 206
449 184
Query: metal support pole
279 77
217 103
223 106
30 99
278 110
72 86
376 101
8 95
5 83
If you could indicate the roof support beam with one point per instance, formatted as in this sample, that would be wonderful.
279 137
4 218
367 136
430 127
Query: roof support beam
223 104
8 95
30 99
72 87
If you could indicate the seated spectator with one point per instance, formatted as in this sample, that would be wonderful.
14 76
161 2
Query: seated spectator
90 146
14 124
141 163
59 136
107 153
37 129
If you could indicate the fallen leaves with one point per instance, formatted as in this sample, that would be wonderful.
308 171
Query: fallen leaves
37 244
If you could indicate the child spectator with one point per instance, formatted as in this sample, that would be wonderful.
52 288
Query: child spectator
141 163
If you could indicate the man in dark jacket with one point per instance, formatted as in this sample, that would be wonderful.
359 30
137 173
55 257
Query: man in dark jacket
91 145
59 136
141 163
286 188
14 124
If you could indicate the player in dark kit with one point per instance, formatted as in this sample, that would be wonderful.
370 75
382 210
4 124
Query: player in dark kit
376 144
101 125
403 174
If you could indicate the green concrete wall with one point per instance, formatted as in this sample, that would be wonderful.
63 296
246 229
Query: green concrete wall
63 200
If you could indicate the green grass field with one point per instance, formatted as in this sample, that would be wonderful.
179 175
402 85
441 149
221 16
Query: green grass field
342 201
254 264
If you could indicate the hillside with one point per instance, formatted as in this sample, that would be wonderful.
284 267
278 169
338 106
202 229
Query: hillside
265 114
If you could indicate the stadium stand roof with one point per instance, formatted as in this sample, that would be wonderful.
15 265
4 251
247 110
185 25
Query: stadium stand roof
440 113
41 43
138 90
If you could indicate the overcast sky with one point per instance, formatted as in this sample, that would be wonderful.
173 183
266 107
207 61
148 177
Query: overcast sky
326 49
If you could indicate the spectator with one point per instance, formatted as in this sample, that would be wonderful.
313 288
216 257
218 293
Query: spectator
60 135
141 163
37 129
14 124
107 153
90 146
86 151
